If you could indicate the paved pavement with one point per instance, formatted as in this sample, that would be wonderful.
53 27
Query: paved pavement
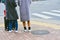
39 32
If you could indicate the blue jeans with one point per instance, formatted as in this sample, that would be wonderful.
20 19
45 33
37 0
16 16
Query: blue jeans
11 22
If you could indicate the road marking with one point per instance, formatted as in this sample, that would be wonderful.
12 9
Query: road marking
51 13
38 2
40 15
55 11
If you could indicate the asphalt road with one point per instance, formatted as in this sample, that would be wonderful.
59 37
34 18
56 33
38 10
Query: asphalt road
46 11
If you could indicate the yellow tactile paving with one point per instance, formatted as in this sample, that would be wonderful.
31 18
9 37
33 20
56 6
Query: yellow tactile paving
55 26
1 25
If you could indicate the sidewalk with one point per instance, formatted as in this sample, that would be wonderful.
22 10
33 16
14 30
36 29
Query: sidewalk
39 32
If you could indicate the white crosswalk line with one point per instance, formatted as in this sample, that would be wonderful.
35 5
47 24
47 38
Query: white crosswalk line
40 15
50 13
58 11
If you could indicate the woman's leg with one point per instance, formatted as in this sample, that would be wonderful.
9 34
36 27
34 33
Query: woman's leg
28 22
24 25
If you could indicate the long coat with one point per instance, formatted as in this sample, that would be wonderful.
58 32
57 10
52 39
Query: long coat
24 9
11 13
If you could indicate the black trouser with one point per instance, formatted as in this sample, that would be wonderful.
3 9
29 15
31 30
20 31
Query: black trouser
6 22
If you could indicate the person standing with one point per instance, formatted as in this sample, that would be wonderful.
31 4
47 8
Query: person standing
24 13
2 8
11 14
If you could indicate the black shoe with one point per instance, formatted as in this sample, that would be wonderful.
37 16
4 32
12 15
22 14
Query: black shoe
24 28
29 29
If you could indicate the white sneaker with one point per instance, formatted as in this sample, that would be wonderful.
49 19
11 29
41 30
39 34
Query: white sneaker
16 31
29 30
25 30
10 31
